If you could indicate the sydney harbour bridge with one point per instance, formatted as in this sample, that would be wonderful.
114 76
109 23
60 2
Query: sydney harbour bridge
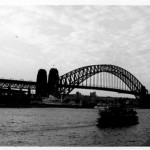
98 77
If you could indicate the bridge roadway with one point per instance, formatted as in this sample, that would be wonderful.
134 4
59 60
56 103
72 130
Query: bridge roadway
25 85
17 84
100 88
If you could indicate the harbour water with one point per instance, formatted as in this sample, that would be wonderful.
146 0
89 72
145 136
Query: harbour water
67 127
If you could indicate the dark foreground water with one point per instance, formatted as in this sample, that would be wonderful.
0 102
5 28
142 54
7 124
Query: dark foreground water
66 127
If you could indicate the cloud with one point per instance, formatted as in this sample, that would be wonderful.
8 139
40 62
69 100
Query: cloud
74 36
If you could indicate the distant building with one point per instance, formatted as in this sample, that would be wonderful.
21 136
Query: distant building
92 100
93 95
74 97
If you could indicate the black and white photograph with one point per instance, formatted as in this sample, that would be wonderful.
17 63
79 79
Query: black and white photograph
74 75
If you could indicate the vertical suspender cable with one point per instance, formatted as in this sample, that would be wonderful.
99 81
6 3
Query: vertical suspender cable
97 79
94 77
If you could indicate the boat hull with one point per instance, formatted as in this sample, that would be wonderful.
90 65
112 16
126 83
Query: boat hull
117 116
117 121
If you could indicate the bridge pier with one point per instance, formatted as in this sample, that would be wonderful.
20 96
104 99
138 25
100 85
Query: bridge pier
53 80
41 83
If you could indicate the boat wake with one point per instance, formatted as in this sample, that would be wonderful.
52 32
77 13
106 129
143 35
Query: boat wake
51 128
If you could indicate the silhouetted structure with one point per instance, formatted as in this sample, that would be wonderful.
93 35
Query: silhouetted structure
41 83
101 77
78 97
53 80
14 98
98 77
144 97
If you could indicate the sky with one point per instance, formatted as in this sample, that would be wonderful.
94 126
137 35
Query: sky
67 37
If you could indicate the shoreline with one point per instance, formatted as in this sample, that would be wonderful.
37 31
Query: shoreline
53 105
45 106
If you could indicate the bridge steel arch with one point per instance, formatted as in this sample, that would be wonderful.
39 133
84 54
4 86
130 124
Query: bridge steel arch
77 76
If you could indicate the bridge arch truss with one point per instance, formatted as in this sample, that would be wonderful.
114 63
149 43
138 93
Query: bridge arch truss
72 79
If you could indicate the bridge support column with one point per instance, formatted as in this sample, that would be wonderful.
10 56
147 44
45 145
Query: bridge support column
29 92
9 91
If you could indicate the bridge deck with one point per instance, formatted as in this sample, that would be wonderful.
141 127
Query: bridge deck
18 84
101 88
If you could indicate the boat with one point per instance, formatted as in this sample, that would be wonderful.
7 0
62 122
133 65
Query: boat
51 100
117 116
